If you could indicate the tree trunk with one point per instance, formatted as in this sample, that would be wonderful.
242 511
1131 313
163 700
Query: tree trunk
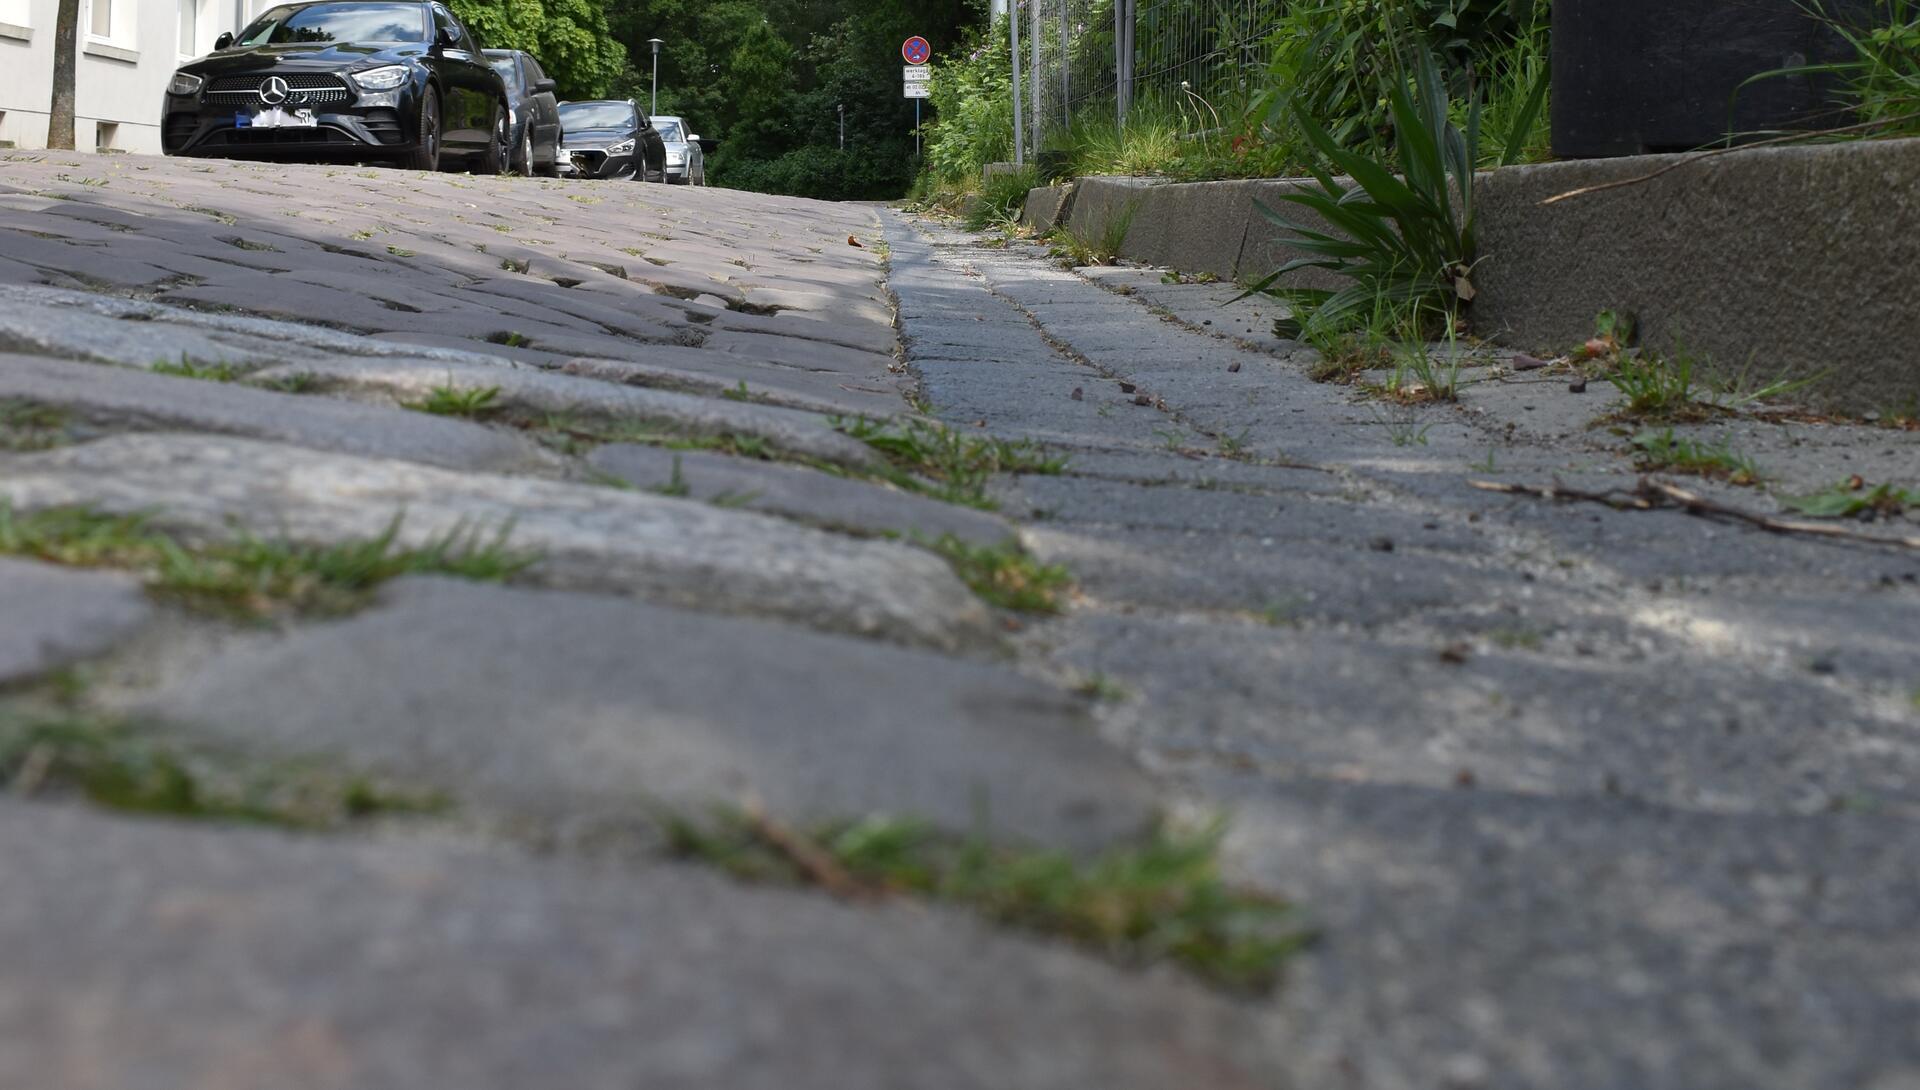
66 54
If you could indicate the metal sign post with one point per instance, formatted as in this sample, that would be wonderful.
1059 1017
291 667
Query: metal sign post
916 78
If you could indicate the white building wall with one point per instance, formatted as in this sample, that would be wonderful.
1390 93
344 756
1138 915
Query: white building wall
121 74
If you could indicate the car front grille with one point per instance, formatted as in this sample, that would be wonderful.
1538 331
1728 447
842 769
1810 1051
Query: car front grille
588 162
242 138
303 89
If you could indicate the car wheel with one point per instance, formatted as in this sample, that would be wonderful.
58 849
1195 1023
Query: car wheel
426 145
523 162
497 156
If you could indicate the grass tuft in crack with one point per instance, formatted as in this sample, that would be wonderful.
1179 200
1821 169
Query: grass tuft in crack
1005 575
28 425
451 400
249 575
959 464
1160 901
1853 498
121 766
1664 451
186 368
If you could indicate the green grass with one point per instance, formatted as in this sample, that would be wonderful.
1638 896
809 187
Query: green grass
1853 499
737 393
1005 575
1002 196
186 368
28 425
1657 386
960 465
1163 901
451 400
122 766
1663 451
249 575
303 382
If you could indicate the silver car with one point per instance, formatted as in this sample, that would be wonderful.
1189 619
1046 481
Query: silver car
686 152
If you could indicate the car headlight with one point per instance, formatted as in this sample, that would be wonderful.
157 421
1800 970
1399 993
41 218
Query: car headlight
381 79
184 83
677 158
624 147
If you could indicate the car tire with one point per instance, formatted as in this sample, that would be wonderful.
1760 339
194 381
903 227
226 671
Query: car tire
523 162
426 142
497 156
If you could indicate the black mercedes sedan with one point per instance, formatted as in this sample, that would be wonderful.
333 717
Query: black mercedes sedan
610 139
401 82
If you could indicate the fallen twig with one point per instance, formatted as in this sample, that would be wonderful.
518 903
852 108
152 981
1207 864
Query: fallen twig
816 863
1701 156
1652 495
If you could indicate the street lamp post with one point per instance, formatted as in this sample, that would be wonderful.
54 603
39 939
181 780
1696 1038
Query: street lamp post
653 108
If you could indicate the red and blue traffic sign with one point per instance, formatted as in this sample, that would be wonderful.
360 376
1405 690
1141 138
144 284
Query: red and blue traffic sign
916 50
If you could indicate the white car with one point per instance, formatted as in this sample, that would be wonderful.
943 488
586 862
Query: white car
686 152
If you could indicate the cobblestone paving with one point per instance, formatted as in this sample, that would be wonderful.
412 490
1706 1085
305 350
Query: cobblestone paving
1573 797
1582 797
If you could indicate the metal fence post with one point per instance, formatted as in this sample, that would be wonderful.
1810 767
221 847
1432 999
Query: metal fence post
1019 134
1035 116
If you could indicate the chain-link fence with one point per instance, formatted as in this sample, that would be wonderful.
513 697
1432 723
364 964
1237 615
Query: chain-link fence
1084 59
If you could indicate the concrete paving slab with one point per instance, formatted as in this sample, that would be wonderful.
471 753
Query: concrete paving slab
667 550
57 616
175 957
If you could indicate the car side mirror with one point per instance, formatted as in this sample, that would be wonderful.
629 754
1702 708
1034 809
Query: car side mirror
545 86
224 40
448 38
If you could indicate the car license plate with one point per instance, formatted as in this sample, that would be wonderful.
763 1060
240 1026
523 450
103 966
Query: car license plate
276 118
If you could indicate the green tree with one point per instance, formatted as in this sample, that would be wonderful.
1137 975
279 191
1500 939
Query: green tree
570 37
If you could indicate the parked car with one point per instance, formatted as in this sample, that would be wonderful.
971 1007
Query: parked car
686 152
609 138
533 114
402 82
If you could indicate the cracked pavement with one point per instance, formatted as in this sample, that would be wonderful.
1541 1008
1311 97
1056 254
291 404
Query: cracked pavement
1572 796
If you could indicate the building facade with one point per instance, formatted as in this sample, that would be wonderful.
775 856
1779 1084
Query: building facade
128 50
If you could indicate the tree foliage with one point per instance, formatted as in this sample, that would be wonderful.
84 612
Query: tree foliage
570 37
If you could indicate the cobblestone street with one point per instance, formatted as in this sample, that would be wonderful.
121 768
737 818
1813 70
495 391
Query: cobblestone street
671 517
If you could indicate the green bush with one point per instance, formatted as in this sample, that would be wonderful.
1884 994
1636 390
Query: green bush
826 173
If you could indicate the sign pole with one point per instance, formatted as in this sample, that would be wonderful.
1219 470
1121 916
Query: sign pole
916 128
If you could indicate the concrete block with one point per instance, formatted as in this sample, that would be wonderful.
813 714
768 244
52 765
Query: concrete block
1047 207
1782 261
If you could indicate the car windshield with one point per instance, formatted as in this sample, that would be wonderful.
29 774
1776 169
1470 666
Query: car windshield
370 23
669 129
596 115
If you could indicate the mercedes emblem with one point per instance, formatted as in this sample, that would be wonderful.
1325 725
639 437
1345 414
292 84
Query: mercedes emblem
273 90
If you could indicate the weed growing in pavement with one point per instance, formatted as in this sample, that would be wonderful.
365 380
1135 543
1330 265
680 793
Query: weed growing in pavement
1076 251
1656 386
300 382
1235 446
959 464
249 575
676 482
451 400
1853 499
1404 429
1170 438
737 393
509 339
186 368
28 425
115 764
1005 575
1664 451
1160 901
1417 377
1103 688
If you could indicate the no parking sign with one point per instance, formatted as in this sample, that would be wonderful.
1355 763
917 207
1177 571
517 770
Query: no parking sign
916 50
